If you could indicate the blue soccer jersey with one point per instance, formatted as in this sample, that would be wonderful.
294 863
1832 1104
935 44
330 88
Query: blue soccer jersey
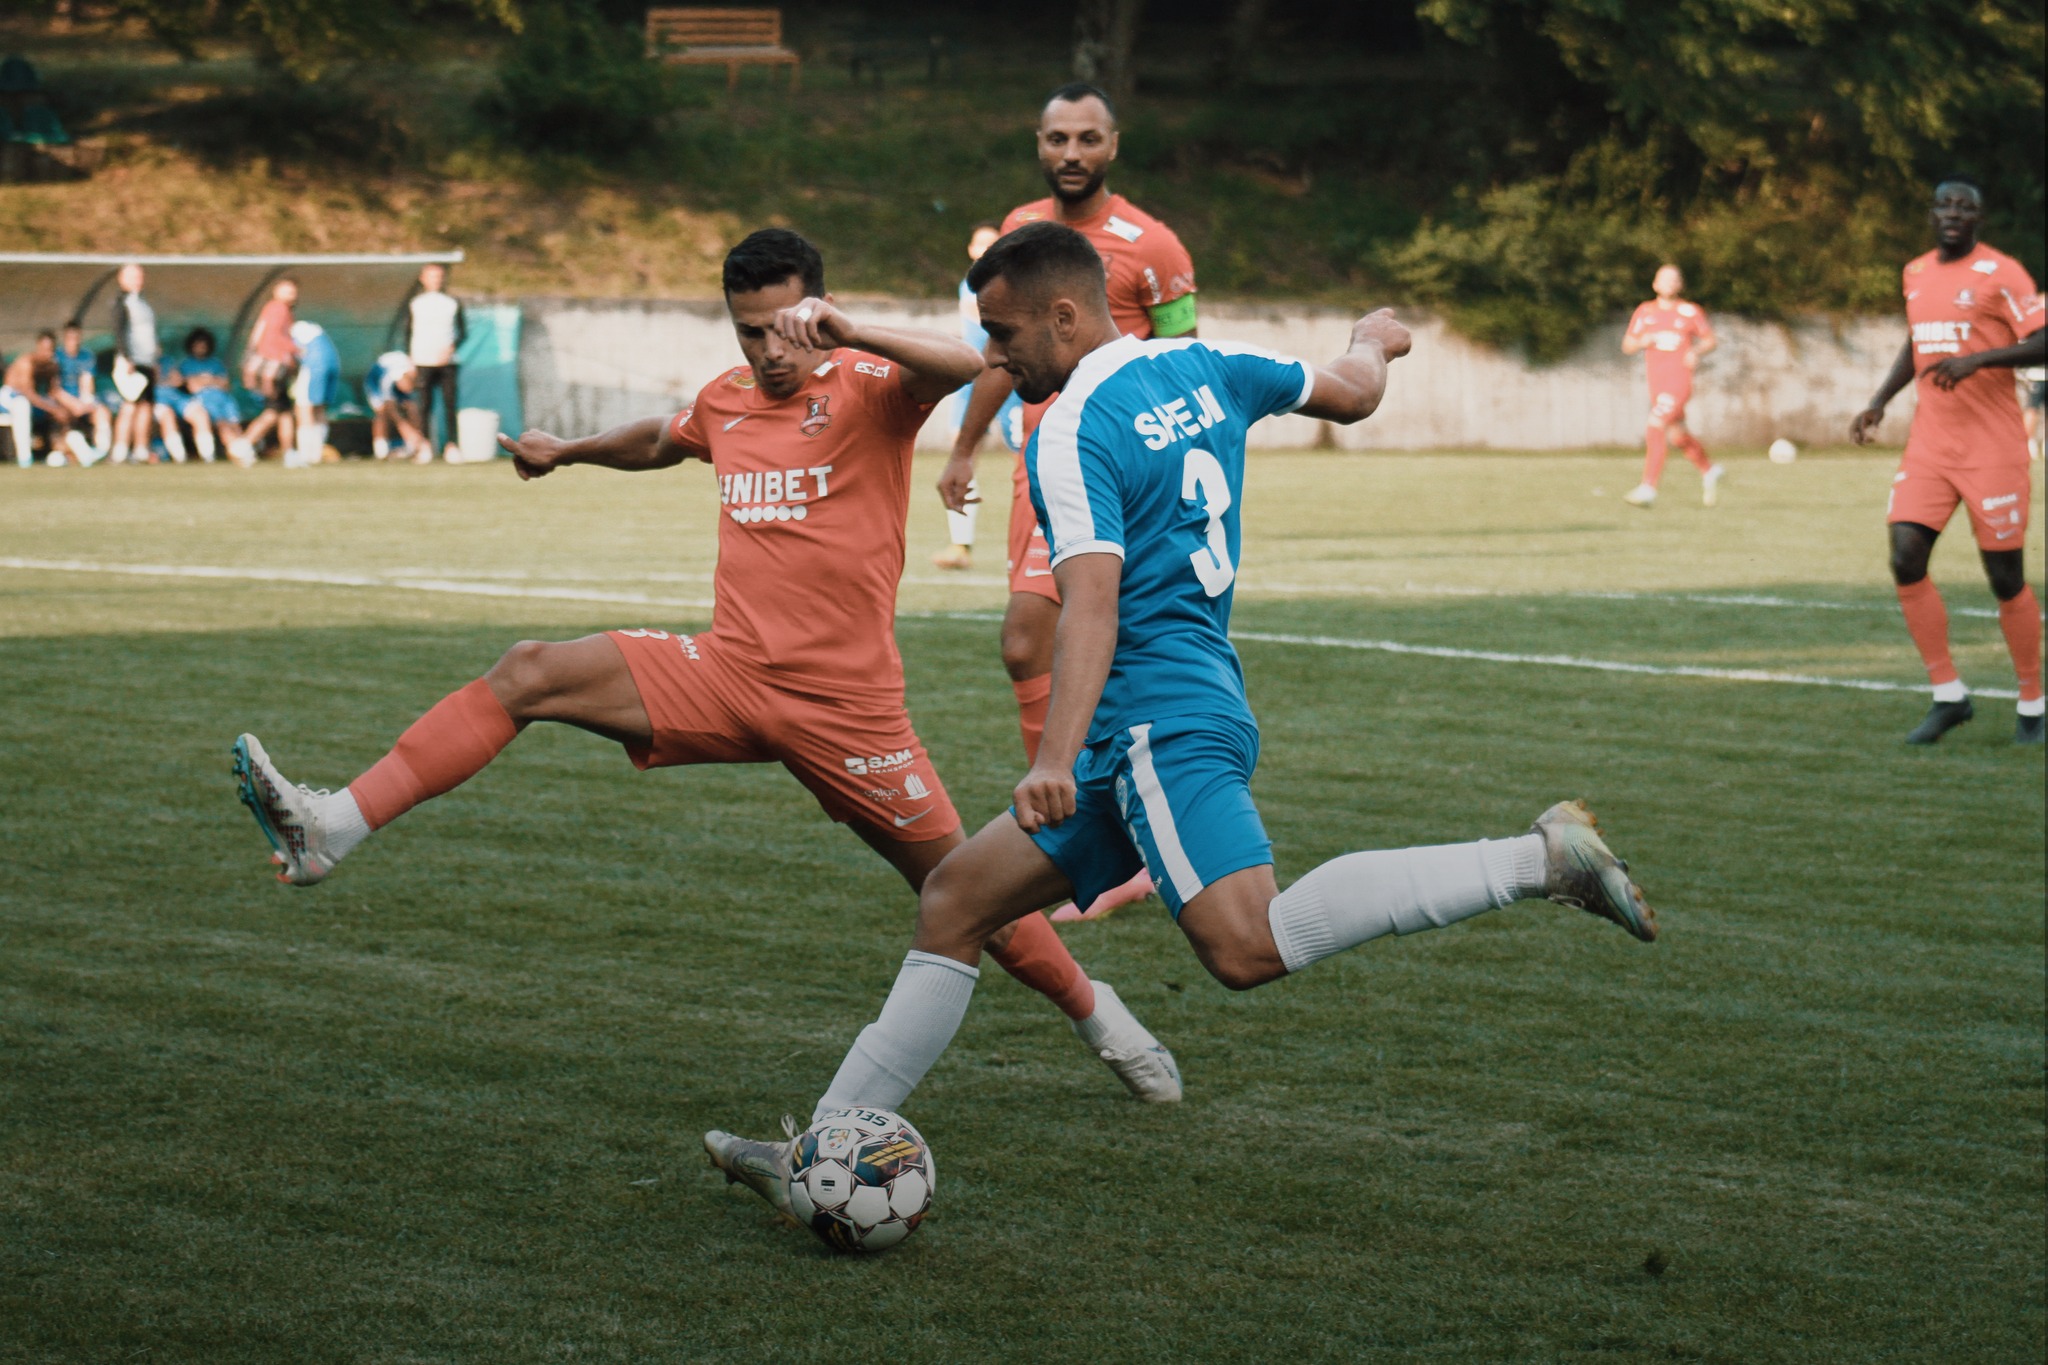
1142 457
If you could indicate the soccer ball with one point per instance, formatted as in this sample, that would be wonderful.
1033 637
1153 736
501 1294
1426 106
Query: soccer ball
861 1179
1783 451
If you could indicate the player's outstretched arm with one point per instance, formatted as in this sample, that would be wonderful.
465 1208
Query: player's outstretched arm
992 388
644 444
1863 429
1083 646
1349 388
933 363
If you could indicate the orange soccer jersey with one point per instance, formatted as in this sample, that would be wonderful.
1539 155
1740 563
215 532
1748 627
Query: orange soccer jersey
1147 266
1669 334
1981 302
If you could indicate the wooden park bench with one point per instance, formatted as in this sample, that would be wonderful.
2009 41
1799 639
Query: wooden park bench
731 38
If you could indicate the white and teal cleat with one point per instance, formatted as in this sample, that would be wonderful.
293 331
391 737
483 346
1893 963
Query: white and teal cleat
1585 874
1128 1048
288 815
762 1167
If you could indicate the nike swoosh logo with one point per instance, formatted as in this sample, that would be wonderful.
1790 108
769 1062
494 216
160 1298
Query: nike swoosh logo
902 820
1038 573
737 420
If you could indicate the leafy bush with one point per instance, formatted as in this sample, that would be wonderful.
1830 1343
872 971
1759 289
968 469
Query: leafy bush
574 82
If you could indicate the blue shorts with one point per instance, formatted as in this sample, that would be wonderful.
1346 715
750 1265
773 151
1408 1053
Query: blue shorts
217 404
1172 796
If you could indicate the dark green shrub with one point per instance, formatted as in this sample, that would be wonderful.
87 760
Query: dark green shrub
575 82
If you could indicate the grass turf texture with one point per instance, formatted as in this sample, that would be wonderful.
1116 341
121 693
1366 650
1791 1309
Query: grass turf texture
446 1106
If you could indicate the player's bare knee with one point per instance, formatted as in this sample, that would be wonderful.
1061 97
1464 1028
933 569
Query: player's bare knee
521 677
1024 654
946 912
1238 955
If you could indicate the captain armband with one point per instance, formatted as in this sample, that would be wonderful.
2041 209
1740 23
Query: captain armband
1174 318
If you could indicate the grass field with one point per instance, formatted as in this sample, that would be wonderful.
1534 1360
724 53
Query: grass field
446 1106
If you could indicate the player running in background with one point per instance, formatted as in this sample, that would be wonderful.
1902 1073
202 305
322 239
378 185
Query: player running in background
1676 335
1973 315
1151 294
1009 419
811 444
1138 470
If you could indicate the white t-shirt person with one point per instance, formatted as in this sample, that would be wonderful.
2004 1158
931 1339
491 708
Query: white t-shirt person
434 327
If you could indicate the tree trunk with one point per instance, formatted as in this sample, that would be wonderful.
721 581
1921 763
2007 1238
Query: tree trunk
1240 39
1105 32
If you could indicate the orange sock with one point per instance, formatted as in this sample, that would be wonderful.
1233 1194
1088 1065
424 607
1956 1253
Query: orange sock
1653 463
2020 618
1038 958
1034 695
437 753
1927 623
1695 452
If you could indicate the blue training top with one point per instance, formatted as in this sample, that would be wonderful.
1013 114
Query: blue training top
1142 456
77 374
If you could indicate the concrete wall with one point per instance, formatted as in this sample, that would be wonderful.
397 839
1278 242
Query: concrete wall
588 364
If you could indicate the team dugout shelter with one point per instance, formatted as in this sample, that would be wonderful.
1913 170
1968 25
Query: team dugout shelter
359 299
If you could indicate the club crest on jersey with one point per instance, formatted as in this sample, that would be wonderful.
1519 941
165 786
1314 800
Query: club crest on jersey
742 379
1966 299
818 417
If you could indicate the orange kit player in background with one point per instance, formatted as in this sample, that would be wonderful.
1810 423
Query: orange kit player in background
1151 294
1676 335
1974 315
811 443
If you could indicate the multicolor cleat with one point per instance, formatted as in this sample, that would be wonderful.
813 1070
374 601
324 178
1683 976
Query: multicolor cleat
1585 874
1139 1060
285 813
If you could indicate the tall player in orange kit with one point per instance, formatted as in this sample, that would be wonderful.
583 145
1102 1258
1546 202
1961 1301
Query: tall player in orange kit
1974 315
1151 294
1676 335
811 443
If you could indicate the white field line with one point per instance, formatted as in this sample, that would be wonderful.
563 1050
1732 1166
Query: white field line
507 590
1495 656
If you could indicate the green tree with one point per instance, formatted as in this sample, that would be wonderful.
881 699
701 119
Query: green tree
306 37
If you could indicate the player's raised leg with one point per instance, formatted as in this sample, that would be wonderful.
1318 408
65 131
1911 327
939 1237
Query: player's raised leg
579 682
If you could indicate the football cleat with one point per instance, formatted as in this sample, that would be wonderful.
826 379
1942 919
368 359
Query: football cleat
1710 485
285 813
1108 903
1941 718
1585 874
2028 730
1642 495
762 1167
1139 1060
957 557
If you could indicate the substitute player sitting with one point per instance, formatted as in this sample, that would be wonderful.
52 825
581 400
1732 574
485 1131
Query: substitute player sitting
1151 283
811 444
1974 314
1676 336
1138 472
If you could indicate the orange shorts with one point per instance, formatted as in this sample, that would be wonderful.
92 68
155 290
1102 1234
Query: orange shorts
1030 555
1668 400
860 759
1997 499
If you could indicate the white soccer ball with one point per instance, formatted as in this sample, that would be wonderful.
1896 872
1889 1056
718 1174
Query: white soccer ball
1783 451
861 1179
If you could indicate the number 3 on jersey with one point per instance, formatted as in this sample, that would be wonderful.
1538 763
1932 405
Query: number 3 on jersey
1202 477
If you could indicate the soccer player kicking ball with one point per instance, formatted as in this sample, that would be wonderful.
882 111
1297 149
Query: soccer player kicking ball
1974 315
1138 471
1676 336
1151 294
811 443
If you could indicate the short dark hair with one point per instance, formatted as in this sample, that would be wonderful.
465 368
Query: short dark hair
74 325
1967 182
199 334
46 335
770 256
1075 91
1041 256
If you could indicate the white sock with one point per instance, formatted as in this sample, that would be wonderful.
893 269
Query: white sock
1362 896
381 447
918 1020
960 525
79 446
341 820
2036 707
174 442
241 449
203 438
1951 691
312 439
120 455
21 417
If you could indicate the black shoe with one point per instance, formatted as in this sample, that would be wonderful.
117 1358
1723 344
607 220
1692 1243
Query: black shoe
2028 730
1941 718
